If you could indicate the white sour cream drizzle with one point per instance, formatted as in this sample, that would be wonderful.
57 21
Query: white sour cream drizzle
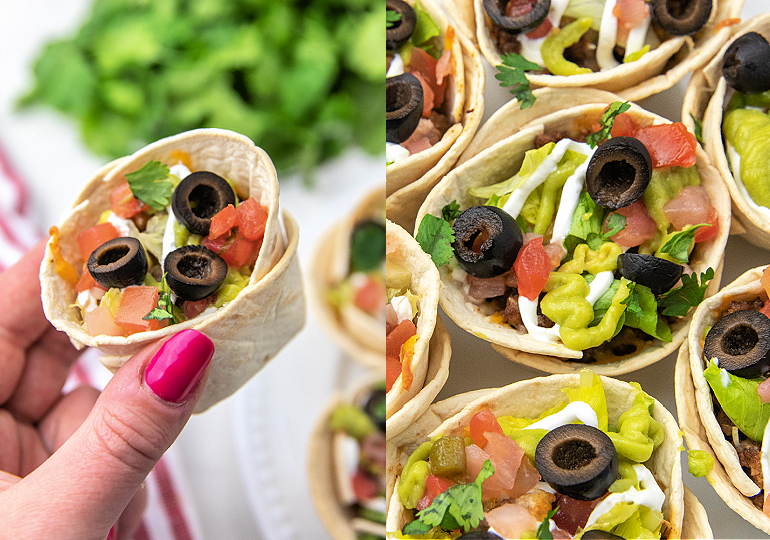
530 48
608 35
735 165
570 195
396 66
574 411
169 238
402 307
650 496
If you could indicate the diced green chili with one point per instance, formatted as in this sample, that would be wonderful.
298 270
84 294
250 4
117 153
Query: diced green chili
553 47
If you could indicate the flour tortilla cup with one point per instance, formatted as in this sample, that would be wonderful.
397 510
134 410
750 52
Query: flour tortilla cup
328 473
697 438
705 99
248 331
529 399
696 413
432 350
408 181
499 161
656 71
360 335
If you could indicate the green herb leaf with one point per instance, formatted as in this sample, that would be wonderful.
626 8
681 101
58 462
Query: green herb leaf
392 17
678 246
677 302
166 308
698 127
151 185
544 530
451 211
615 223
459 506
367 247
740 401
642 313
435 236
606 121
512 72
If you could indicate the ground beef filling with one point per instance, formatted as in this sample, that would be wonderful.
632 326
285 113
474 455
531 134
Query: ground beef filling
749 451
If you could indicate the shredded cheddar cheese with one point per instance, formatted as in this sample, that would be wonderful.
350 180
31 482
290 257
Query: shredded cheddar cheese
63 268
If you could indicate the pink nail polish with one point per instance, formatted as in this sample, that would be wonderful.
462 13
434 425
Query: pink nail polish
113 535
177 367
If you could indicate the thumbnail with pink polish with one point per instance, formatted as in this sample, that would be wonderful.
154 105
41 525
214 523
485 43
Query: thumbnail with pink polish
177 367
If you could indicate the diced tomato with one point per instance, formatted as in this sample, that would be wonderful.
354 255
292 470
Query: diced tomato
514 475
370 297
86 282
573 513
434 486
766 308
765 280
425 64
624 126
669 144
95 236
542 30
532 267
223 221
364 486
215 244
192 309
238 251
123 202
629 14
252 218
428 95
482 422
396 339
511 520
100 322
392 371
135 303
692 206
639 225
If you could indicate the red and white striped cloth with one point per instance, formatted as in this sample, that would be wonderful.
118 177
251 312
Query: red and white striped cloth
170 514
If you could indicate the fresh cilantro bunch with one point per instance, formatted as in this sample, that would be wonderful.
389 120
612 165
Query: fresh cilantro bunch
512 72
298 77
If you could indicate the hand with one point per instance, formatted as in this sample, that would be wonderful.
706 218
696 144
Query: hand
71 465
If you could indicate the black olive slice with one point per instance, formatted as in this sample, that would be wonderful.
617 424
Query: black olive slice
577 460
198 198
480 535
119 262
496 10
403 106
598 534
618 172
375 408
487 241
681 17
741 342
653 272
194 272
398 32
746 64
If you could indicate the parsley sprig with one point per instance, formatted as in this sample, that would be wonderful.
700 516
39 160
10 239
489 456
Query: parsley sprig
166 308
698 127
606 121
512 72
392 17
459 507
677 302
435 234
151 185
544 529
615 223
678 246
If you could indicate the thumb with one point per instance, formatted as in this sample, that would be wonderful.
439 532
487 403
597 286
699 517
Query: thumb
81 490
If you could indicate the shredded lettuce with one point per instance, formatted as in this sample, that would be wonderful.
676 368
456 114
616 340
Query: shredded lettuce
594 9
532 160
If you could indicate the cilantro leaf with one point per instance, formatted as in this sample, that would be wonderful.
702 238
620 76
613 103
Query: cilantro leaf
512 72
459 506
678 246
392 17
435 236
151 185
451 211
606 121
615 224
677 302
166 308
367 247
698 127
544 530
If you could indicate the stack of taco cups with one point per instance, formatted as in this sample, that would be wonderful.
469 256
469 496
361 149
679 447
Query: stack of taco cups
248 331
656 70
428 364
409 180
705 101
496 155
700 416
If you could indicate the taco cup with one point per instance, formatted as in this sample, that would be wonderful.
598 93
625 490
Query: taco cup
417 343
639 74
713 102
348 296
346 464
417 158
502 416
498 165
250 314
709 418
